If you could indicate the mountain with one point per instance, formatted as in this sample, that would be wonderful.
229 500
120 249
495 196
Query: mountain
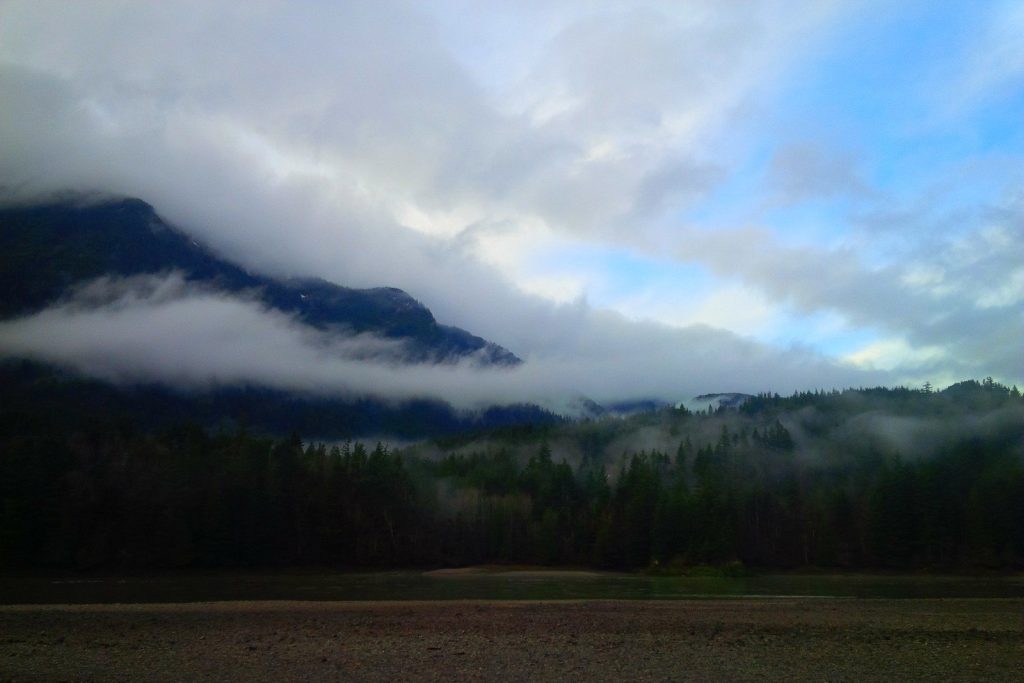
47 249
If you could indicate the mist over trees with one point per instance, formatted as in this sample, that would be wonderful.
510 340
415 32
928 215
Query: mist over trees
878 478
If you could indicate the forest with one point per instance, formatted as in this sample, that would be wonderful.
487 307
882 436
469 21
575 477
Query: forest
889 479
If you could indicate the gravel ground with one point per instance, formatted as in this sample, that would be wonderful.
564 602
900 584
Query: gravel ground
700 640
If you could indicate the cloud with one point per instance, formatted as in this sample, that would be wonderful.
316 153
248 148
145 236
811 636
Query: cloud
366 104
388 143
802 171
160 328
951 305
300 139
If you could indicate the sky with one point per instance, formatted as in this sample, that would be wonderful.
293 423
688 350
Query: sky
639 199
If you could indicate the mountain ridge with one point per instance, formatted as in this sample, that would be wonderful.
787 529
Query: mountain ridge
46 249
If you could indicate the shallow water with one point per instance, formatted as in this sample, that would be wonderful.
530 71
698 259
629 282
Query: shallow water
490 585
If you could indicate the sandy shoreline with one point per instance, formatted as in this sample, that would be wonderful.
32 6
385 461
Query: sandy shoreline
742 639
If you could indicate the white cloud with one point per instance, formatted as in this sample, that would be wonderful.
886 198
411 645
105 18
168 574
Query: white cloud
890 354
161 329
734 307
353 141
366 101
959 294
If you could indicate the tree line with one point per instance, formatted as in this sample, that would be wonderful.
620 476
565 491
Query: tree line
111 495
